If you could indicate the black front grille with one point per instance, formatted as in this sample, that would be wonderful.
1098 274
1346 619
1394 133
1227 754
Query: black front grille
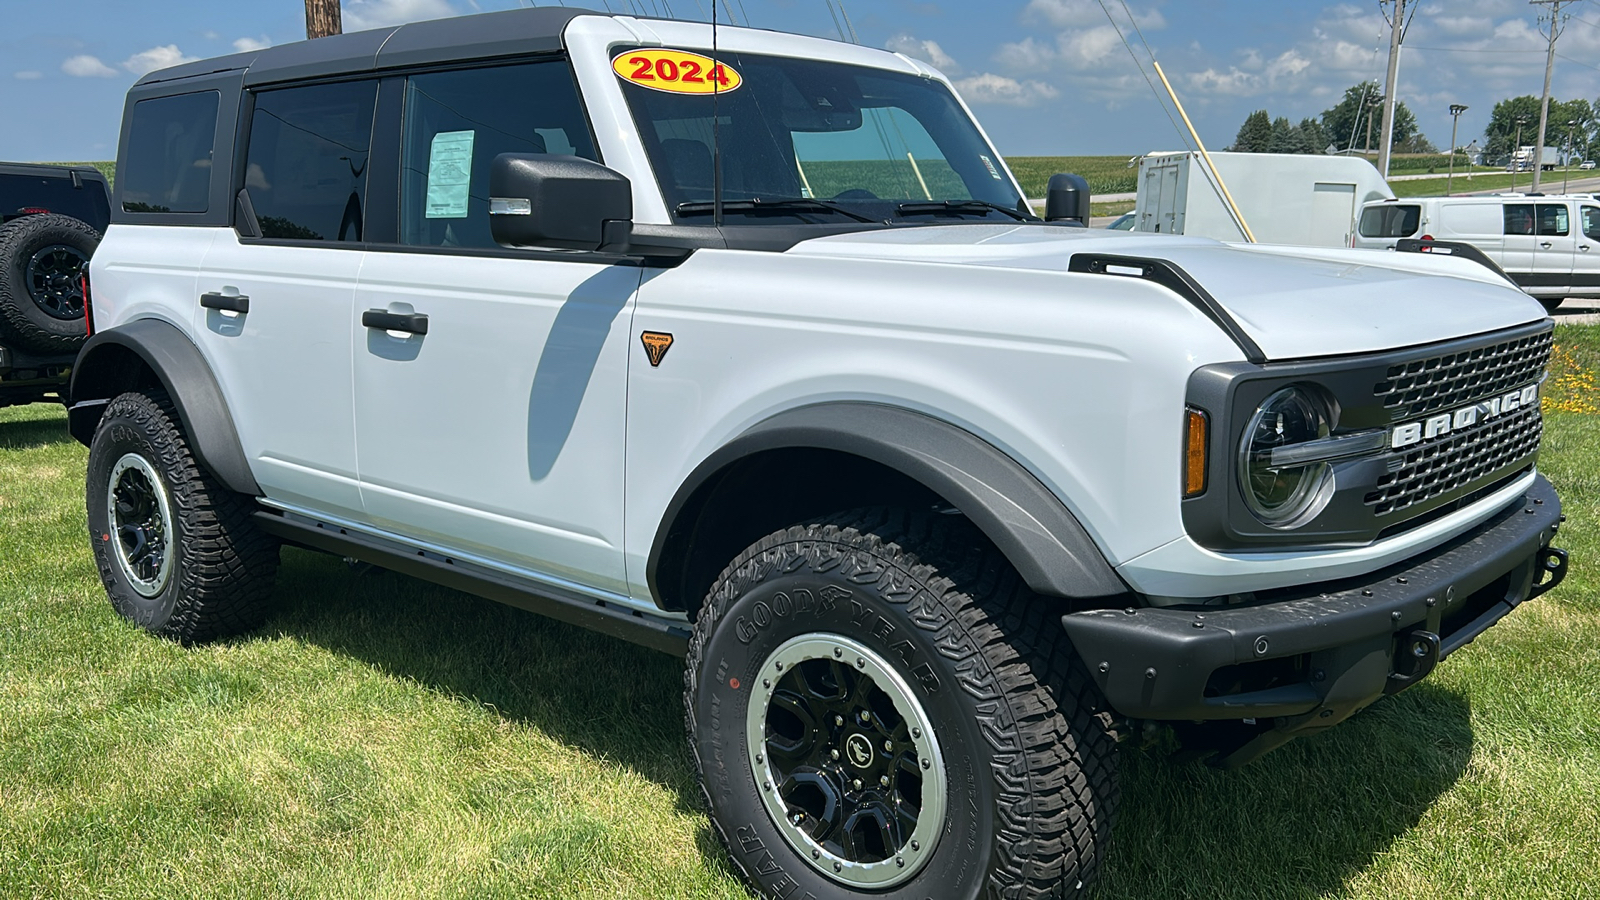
1446 464
1455 379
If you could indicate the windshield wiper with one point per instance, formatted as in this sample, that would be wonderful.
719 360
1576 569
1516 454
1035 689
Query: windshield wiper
699 207
959 206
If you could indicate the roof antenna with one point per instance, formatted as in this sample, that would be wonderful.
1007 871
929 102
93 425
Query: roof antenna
716 126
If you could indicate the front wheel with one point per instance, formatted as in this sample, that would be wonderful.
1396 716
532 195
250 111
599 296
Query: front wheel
878 705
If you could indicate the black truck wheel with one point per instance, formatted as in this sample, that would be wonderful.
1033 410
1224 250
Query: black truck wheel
877 705
177 551
43 259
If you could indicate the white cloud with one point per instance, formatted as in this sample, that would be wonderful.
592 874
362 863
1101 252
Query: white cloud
998 89
28 75
246 44
1078 13
86 66
146 61
361 15
927 51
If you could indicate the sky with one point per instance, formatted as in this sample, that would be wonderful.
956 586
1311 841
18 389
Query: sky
1046 77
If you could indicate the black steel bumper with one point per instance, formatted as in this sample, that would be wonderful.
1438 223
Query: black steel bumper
1300 662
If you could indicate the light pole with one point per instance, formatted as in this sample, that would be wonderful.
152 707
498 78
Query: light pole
1456 109
1516 151
1567 169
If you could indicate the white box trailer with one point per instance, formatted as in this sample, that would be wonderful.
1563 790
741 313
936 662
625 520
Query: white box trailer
1285 198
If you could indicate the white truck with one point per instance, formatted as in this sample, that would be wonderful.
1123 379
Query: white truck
1297 199
746 346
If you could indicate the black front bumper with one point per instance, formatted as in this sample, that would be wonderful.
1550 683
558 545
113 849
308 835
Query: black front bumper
1296 662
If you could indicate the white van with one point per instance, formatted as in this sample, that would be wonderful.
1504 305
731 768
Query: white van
1548 244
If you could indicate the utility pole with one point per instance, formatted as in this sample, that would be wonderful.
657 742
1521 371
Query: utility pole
1556 20
322 18
1456 109
1516 153
1397 33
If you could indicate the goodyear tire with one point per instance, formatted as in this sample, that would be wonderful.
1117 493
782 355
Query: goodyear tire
177 551
877 705
43 259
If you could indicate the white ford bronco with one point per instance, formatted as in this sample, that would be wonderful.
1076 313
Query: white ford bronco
747 346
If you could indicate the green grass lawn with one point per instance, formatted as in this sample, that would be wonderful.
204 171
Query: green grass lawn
385 738
1499 179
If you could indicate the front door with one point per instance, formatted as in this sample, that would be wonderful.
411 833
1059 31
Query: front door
1552 257
1586 261
1516 255
274 312
498 434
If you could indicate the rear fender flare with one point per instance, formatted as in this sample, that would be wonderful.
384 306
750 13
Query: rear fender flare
101 373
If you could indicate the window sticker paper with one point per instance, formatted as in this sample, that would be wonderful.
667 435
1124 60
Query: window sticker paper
449 175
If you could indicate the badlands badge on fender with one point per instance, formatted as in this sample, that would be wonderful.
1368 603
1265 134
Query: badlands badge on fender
675 71
656 344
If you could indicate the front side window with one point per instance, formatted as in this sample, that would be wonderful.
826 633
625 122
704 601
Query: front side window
306 166
1519 218
1591 222
1390 221
811 141
1553 220
456 123
168 166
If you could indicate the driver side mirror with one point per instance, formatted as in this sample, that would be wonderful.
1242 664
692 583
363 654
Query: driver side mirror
1067 200
564 202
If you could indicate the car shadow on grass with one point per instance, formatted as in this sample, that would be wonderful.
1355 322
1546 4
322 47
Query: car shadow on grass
23 429
1299 822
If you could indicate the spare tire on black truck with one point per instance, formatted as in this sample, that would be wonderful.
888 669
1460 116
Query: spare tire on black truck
43 261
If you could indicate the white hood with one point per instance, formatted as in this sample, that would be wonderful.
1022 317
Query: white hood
1295 302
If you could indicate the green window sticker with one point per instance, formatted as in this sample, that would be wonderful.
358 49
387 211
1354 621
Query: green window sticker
449 175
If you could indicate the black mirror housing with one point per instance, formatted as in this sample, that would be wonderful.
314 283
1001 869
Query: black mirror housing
564 202
1067 199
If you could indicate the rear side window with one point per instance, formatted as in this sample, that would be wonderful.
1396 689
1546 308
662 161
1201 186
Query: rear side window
306 165
168 166
1391 220
1519 218
1553 220
456 123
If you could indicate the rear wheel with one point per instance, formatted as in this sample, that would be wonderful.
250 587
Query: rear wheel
1550 305
878 706
43 261
177 551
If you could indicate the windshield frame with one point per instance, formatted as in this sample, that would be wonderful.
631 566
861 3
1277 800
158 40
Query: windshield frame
944 126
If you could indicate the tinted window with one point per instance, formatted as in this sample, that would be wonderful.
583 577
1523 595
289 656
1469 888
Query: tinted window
306 167
22 194
1591 222
456 123
1519 218
168 166
1553 219
1390 221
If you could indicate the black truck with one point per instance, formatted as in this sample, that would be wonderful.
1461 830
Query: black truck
51 219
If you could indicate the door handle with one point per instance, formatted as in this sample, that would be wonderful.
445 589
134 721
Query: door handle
1583 247
413 323
1545 244
238 303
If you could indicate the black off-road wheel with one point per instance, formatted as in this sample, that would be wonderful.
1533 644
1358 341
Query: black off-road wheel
43 260
878 706
177 551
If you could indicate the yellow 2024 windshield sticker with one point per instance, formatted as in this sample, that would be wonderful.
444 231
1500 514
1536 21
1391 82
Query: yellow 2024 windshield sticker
675 71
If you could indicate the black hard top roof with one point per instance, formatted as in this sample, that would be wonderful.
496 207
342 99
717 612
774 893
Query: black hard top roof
482 36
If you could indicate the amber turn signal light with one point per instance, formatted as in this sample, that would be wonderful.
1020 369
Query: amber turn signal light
1194 453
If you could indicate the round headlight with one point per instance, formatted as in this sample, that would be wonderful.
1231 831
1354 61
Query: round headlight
1285 496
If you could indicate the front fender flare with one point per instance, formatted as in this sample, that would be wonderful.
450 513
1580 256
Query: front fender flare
1025 520
102 373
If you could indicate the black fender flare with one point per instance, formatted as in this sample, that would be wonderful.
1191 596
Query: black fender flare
1026 521
101 373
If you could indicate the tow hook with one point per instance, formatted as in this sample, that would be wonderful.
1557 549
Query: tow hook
1416 656
1551 569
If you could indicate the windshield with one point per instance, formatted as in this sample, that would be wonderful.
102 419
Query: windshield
1390 221
866 143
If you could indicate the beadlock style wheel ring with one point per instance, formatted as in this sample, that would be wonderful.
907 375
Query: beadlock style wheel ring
846 761
140 516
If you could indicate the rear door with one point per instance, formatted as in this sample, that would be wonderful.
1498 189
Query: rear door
275 312
1333 208
498 433
1520 242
